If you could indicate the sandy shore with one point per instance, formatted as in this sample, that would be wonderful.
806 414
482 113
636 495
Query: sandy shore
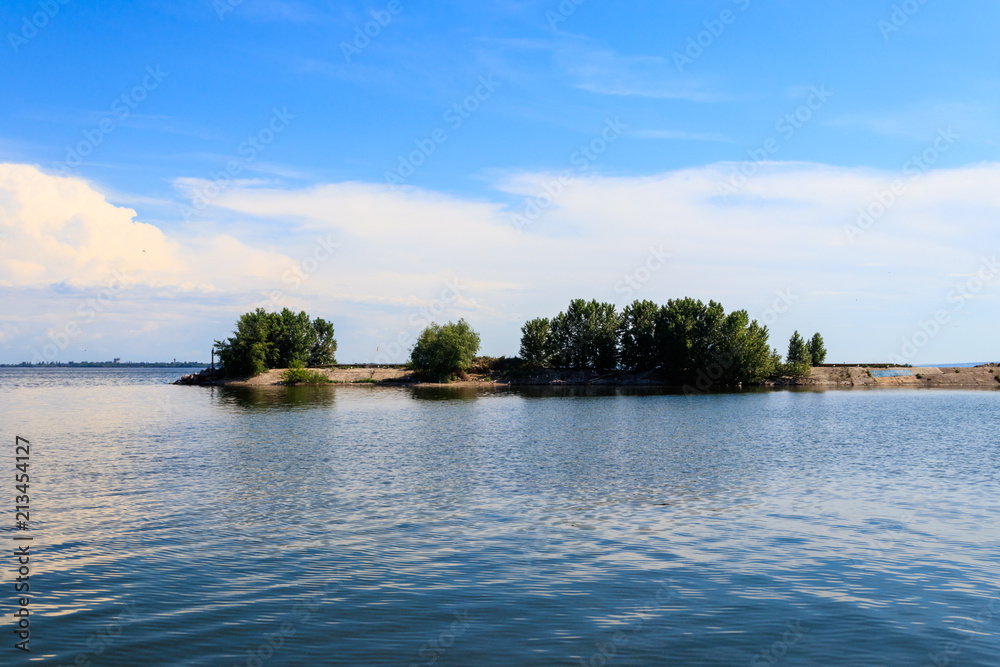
857 376
842 377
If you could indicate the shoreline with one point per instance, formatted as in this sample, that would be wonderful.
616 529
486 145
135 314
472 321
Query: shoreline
986 376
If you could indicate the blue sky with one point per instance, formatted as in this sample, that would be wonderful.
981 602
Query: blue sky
309 128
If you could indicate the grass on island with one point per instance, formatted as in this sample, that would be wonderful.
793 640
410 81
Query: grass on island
297 374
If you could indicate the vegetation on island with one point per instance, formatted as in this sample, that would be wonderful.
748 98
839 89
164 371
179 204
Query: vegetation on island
817 350
299 374
685 340
266 340
445 350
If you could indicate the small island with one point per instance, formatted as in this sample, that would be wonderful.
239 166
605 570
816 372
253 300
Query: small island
685 344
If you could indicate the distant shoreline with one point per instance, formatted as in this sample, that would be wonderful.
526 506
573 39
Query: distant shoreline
109 364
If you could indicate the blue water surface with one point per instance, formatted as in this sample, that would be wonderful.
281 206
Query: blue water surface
381 526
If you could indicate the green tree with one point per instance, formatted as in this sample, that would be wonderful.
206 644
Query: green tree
293 339
324 346
441 351
246 353
265 340
817 350
535 341
798 351
585 336
603 325
687 336
637 336
744 354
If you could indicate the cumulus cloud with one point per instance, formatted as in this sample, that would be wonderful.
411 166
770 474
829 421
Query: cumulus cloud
61 230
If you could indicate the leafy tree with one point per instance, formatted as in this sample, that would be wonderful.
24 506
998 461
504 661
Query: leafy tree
324 346
797 370
247 353
687 334
602 336
534 340
441 351
688 341
744 353
585 336
817 350
265 340
293 338
637 336
798 351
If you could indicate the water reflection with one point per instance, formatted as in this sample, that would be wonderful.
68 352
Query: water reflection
695 528
455 393
279 398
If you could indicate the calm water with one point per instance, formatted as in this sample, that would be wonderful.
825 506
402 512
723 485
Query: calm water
375 526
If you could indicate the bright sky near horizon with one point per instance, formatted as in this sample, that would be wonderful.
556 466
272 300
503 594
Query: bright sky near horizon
166 166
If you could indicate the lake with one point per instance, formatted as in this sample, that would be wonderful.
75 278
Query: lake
392 526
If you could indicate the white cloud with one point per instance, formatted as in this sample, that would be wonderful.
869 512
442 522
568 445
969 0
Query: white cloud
680 135
609 73
62 230
784 230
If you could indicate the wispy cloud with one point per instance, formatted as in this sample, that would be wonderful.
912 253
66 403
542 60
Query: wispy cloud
680 135
917 122
609 73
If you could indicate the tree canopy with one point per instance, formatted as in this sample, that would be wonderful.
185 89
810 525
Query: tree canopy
585 336
442 350
817 350
798 350
686 340
266 340
534 336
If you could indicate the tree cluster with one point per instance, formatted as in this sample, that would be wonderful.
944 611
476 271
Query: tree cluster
444 350
812 353
266 340
687 340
